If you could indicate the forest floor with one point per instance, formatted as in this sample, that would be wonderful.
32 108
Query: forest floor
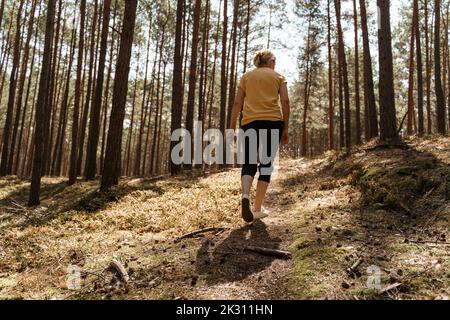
387 209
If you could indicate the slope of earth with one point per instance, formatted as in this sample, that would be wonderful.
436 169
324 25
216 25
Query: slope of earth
385 212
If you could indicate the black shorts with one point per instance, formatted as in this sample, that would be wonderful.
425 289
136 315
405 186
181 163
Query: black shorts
268 134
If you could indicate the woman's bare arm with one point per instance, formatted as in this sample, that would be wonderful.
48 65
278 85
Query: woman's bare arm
237 108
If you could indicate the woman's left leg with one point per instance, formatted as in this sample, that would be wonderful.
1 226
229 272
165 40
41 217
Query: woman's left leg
271 147
261 191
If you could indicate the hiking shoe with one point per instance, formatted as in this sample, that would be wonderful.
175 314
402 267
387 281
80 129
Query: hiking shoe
247 214
261 214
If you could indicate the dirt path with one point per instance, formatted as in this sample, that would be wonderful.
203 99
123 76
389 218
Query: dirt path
230 273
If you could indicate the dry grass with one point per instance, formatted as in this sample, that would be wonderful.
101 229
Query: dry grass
78 225
373 205
389 207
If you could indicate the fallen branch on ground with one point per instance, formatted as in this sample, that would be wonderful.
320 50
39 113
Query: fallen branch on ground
391 287
442 243
198 232
355 266
270 252
116 265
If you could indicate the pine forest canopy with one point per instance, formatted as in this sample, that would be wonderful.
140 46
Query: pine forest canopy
96 87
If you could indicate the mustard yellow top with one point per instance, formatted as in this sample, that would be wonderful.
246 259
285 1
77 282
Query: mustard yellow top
262 95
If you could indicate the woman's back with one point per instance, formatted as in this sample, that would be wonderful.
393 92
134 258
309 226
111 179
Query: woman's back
262 95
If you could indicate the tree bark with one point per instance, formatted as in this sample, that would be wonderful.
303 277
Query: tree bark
344 71
90 88
357 84
440 100
24 112
111 168
410 117
428 67
193 73
2 11
7 131
94 123
247 33
21 88
304 148
388 119
107 91
330 82
41 109
419 71
369 90
232 89
138 151
223 72
78 92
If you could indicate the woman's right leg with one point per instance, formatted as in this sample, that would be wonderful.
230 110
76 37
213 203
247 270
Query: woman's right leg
247 182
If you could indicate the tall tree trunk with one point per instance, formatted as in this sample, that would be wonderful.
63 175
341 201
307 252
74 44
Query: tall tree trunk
21 89
59 147
94 123
357 84
247 33
56 58
440 100
157 105
419 70
150 101
269 25
369 90
2 11
41 109
160 121
107 92
447 59
223 72
78 91
4 166
202 96
213 72
388 119
232 89
428 67
90 88
111 168
344 72
341 105
410 118
330 82
129 140
138 151
25 108
193 73
304 148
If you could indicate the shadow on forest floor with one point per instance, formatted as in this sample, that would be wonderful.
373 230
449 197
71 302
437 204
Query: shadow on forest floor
58 199
225 262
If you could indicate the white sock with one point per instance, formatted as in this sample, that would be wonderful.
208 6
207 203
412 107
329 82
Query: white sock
246 196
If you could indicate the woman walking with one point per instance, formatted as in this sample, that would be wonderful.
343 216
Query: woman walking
264 101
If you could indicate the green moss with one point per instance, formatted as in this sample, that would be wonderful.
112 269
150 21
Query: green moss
311 262
373 172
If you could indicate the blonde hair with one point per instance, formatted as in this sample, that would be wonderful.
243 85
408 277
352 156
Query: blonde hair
262 58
